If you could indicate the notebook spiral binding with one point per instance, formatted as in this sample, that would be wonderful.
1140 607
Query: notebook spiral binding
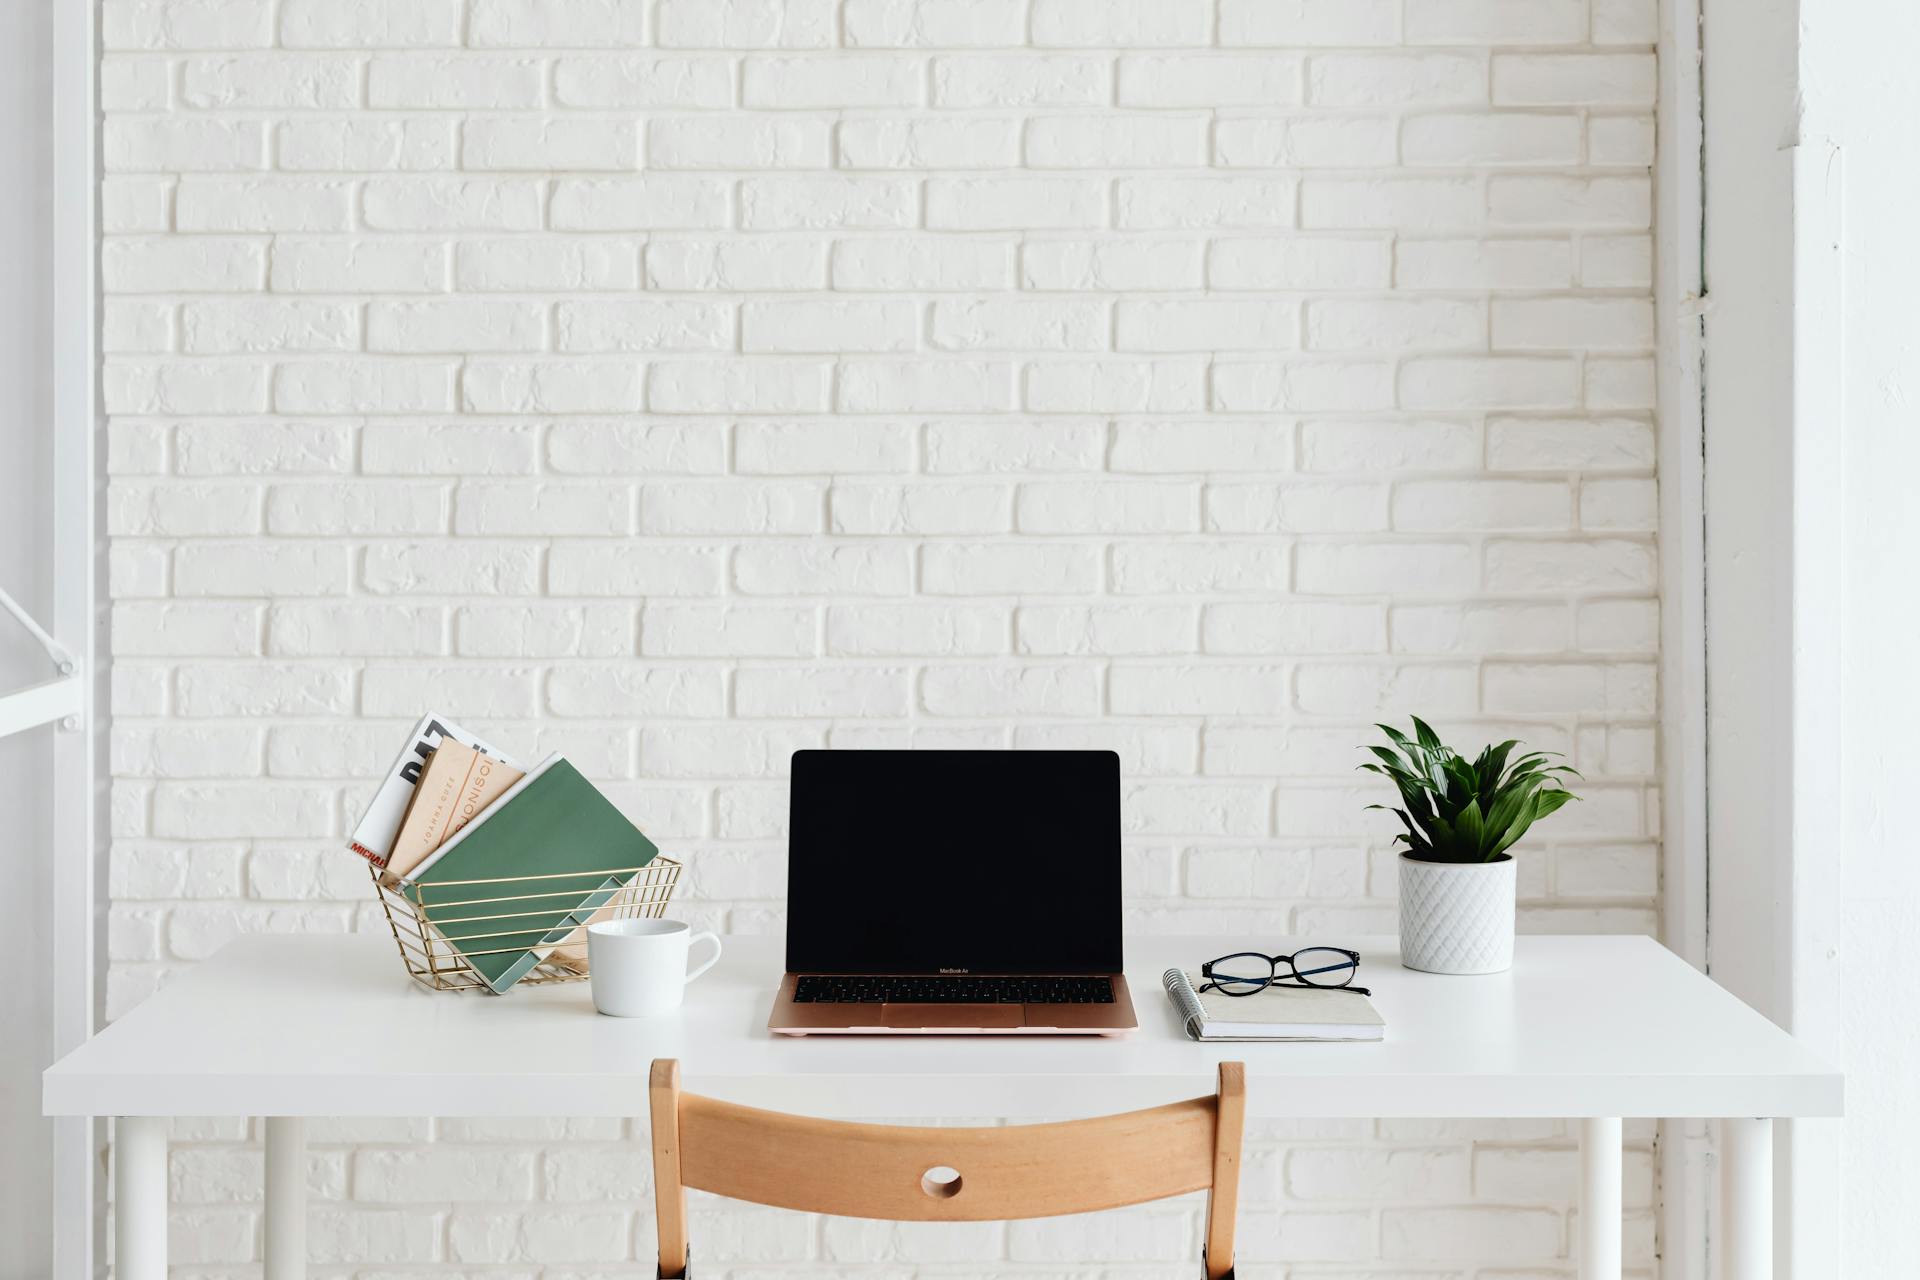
1192 1015
438 966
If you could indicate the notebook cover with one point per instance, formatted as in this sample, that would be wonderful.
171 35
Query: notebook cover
552 823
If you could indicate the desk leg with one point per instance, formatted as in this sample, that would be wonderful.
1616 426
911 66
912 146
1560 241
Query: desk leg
140 1198
1746 1199
1597 1247
286 1198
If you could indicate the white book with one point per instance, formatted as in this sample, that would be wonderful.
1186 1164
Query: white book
1279 1012
373 835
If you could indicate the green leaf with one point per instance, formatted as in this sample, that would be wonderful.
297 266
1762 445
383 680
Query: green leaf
1513 802
1513 832
1471 827
1398 738
1391 765
1547 801
1462 786
1496 756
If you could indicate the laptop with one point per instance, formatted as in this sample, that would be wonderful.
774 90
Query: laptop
943 892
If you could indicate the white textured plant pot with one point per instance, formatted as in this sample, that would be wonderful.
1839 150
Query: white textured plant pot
1457 917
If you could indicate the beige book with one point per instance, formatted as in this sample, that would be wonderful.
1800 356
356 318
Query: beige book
456 784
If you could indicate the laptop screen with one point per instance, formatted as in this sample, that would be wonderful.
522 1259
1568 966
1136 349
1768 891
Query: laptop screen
969 861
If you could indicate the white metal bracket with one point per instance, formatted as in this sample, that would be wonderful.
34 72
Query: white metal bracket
59 698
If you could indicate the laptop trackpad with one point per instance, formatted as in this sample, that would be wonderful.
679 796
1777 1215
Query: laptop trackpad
965 1016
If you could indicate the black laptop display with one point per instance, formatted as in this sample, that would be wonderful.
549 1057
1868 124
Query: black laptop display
954 862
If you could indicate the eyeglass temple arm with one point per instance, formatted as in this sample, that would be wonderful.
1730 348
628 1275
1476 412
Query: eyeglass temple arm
1326 968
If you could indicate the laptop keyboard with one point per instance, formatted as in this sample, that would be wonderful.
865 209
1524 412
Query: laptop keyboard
814 988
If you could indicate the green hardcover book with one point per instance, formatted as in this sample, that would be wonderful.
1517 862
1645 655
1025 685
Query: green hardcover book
554 851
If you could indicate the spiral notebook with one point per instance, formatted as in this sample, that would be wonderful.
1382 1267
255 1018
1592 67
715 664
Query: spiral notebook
1277 1013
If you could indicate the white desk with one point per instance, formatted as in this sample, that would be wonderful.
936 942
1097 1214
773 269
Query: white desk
1590 1028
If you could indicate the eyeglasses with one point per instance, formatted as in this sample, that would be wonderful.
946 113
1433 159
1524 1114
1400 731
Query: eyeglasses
1245 972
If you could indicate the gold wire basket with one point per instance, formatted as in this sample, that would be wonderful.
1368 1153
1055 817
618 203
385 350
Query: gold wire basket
435 963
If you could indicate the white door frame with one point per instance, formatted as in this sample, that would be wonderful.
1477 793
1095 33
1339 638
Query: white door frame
1684 1151
1754 872
78 613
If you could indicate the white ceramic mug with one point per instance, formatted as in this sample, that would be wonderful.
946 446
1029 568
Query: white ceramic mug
639 967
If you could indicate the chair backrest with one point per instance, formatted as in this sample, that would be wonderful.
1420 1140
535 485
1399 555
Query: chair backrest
898 1171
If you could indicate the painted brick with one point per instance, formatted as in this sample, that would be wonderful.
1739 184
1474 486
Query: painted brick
186 145
186 24
541 143
643 80
1165 203
336 266
263 204
861 508
1001 325
1111 265
638 204
1021 81
719 142
995 204
1228 325
1396 80
1311 506
452 204
1591 79
828 327
942 24
1306 142
820 81
369 24
463 81
764 262
1116 142
1306 23
1460 140
1208 80
746 24
570 24
1553 201
883 263
275 81
813 203
551 386
1501 22
1115 386
1298 263
373 143
1344 324
1483 264
643 326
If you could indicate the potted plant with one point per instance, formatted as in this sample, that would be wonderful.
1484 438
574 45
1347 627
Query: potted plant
1456 876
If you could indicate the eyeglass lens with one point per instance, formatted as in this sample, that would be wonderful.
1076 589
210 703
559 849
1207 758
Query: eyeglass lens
1324 967
1249 971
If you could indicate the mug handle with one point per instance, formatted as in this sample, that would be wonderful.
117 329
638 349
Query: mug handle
712 960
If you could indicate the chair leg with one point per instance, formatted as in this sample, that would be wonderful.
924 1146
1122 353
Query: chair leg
669 1196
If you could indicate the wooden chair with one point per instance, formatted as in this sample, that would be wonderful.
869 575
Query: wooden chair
899 1173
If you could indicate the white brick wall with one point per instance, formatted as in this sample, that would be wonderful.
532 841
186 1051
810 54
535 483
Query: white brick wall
683 382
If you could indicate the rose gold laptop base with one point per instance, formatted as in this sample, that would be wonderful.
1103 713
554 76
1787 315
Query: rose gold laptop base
794 1019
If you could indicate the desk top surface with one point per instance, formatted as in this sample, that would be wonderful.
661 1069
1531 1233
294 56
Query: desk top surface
315 1026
